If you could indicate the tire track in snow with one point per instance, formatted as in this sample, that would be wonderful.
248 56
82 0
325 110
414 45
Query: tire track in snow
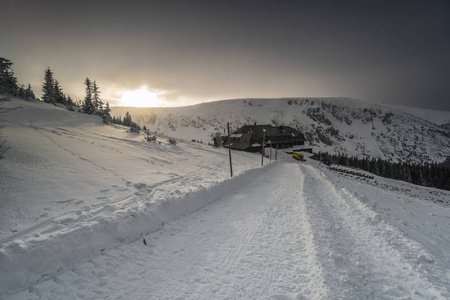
256 243
276 255
363 257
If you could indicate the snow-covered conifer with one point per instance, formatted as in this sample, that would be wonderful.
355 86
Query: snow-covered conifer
88 105
59 95
29 94
106 114
48 91
8 82
127 121
69 103
96 98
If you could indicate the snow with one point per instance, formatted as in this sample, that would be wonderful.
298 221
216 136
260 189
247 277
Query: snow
78 200
333 125
438 117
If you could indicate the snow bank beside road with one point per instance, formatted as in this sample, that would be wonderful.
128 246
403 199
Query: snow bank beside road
294 231
28 261
72 186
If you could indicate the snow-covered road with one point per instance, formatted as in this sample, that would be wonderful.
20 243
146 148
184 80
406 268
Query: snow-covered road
292 233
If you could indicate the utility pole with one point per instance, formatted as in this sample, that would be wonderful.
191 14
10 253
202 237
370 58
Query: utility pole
229 149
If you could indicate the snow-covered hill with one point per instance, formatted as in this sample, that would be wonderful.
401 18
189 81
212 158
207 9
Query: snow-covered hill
335 125
90 211
69 178
438 117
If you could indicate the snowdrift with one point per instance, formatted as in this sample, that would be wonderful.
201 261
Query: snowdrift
28 261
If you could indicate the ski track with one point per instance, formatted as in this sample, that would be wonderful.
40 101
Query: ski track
298 238
365 258
157 191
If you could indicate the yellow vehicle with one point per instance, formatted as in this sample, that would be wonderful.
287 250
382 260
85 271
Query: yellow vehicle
298 156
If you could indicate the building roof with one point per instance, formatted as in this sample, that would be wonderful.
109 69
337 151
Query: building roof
271 131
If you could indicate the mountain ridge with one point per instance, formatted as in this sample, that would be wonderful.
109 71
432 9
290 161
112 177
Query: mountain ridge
335 125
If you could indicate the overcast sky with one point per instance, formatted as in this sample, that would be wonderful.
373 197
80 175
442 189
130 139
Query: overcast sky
195 51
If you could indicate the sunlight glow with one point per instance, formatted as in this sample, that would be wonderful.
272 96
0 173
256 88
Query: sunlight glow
141 98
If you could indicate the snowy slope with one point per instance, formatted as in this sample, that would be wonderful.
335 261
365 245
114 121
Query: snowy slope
281 235
334 125
78 198
89 164
66 173
438 117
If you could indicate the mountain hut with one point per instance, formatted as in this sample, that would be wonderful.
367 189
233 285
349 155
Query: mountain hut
250 137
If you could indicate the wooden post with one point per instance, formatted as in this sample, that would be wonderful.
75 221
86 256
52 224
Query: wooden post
229 149
262 148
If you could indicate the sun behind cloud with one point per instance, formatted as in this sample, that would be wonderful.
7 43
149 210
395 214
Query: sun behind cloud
141 98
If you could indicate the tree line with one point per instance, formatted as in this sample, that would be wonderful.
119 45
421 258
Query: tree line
92 104
9 83
426 174
52 92
127 121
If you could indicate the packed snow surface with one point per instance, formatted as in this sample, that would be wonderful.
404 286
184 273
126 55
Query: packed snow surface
107 215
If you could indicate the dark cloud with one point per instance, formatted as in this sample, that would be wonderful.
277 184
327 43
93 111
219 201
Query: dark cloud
378 51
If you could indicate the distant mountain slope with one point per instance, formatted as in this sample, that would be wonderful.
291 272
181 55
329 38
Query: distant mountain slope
338 125
438 117
446 126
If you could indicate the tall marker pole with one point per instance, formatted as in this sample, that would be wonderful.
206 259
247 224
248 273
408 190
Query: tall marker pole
229 148
262 147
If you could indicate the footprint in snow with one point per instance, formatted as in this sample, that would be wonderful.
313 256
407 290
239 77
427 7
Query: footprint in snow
65 201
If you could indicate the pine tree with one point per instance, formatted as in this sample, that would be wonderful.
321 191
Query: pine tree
106 115
6 82
88 105
134 127
5 64
29 94
389 173
9 83
69 103
117 120
381 167
127 121
59 95
428 174
96 98
48 92
418 170
406 173
21 91
374 167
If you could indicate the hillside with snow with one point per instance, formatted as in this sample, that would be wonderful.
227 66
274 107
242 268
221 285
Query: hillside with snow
439 117
334 125
91 211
